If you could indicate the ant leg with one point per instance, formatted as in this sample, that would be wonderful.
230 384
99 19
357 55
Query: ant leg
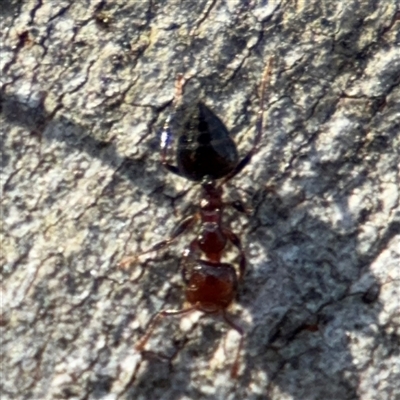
166 134
259 124
234 239
179 229
127 262
165 142
155 321
241 207
186 255
238 205
239 330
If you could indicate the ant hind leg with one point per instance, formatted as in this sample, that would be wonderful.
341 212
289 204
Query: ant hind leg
259 124
166 134
184 225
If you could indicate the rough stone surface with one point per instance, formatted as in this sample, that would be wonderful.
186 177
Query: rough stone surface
86 85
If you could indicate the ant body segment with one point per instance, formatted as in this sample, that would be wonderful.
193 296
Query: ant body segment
206 154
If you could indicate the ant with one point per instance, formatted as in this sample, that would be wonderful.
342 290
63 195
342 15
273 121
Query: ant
206 154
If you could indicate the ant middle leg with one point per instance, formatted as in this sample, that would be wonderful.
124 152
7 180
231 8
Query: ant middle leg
156 319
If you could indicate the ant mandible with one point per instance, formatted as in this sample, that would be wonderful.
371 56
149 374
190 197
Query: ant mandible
206 154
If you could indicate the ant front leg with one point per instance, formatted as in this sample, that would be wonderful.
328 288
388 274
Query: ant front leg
239 330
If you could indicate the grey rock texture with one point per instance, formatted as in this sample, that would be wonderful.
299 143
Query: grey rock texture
86 85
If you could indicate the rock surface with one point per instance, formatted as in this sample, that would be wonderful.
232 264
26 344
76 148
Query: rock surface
85 86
